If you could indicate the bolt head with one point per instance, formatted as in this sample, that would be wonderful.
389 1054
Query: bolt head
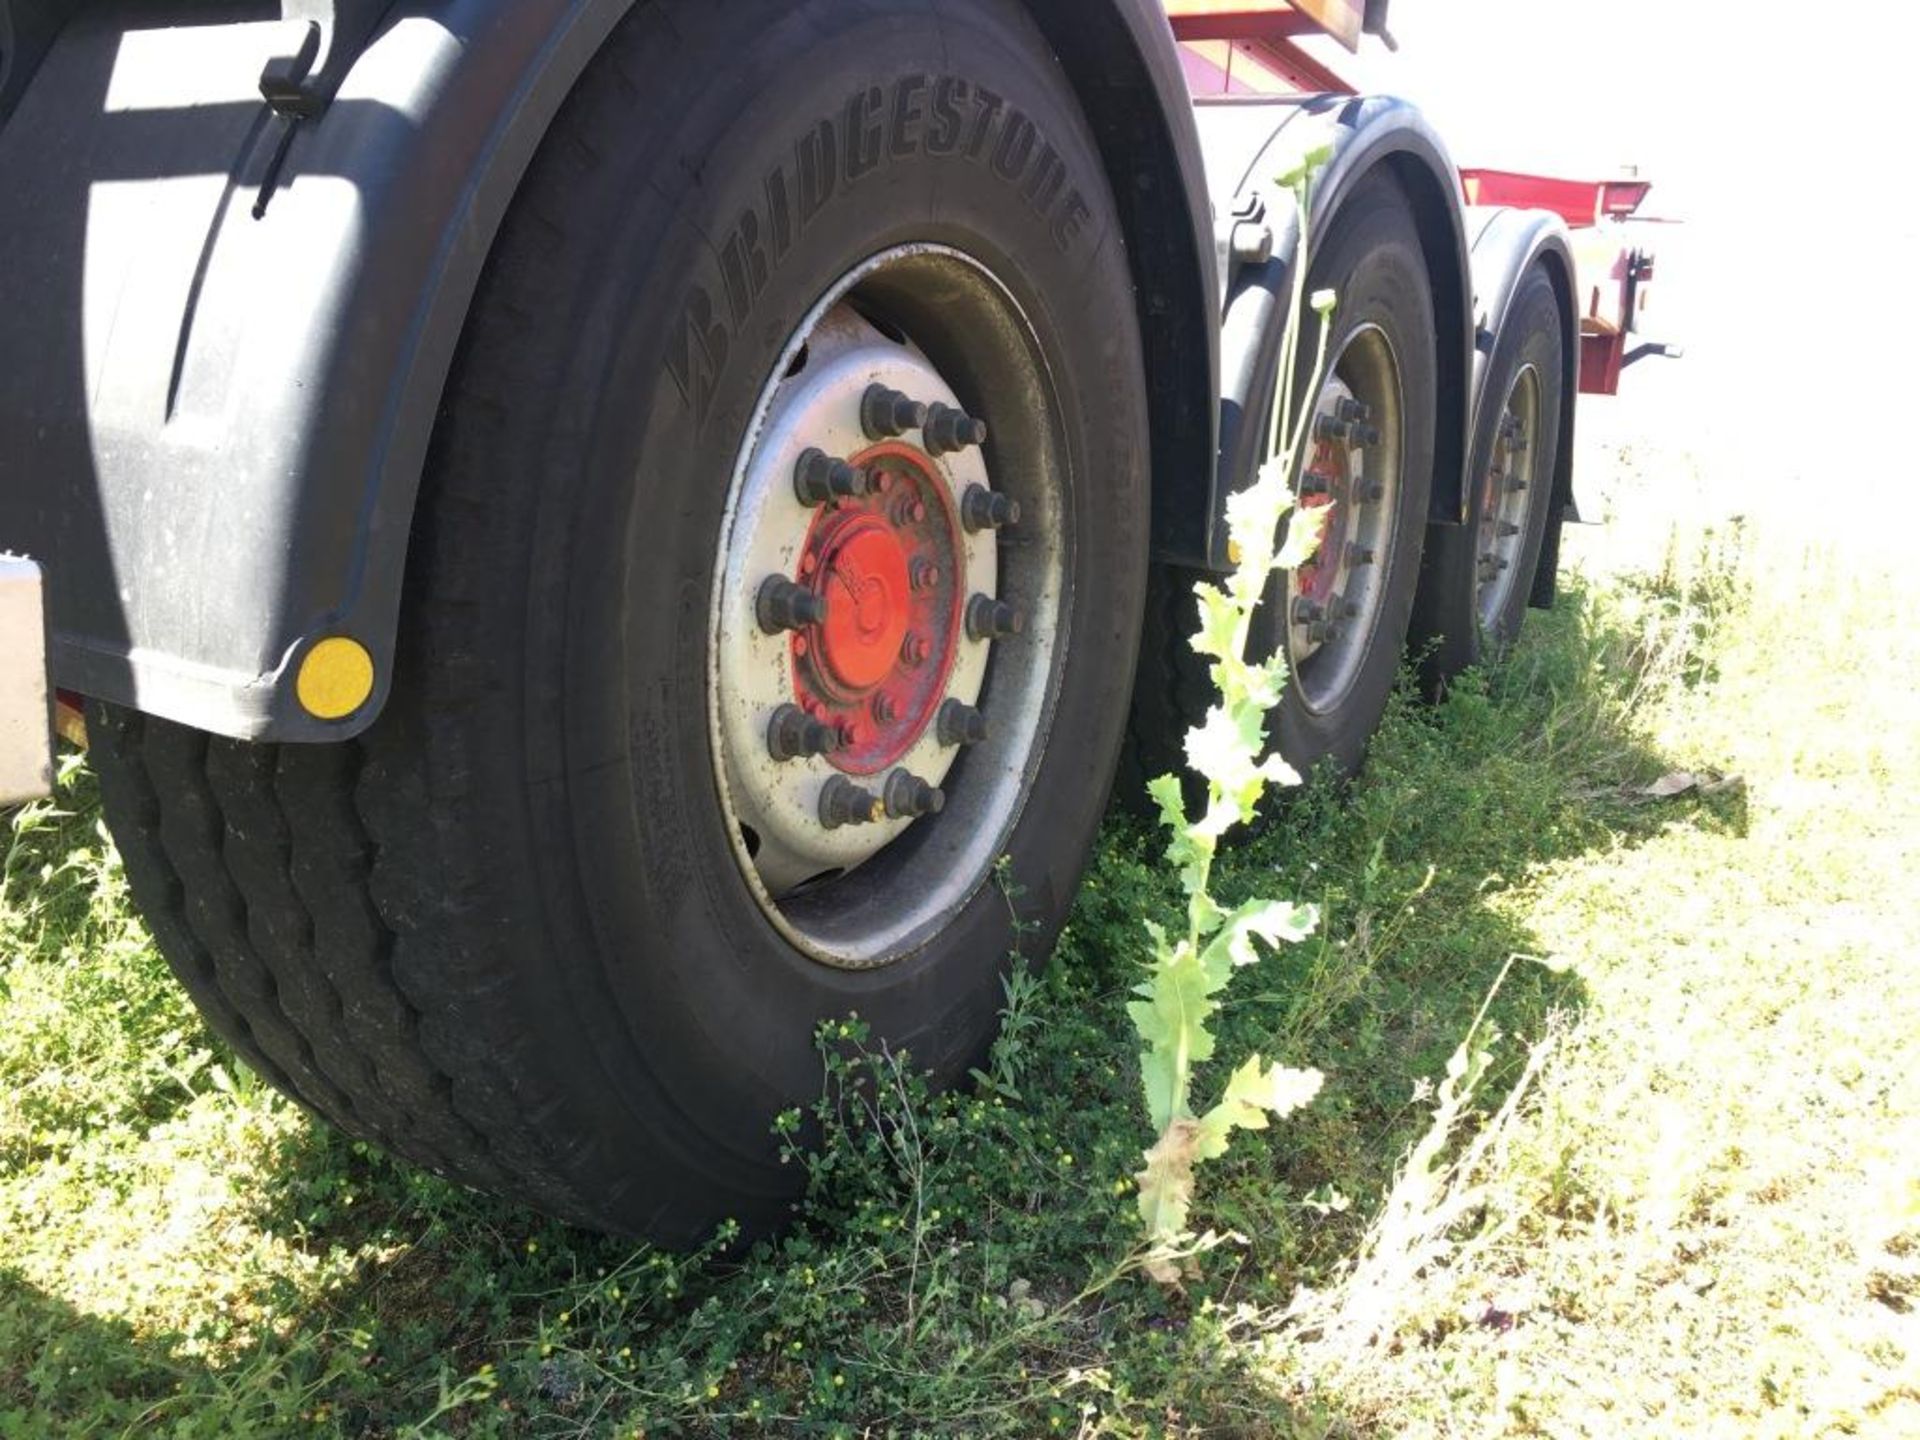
991 619
960 724
1331 429
844 803
984 509
782 605
908 797
947 429
819 479
885 413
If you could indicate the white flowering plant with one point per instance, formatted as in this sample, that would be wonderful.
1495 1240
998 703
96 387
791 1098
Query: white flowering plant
1180 994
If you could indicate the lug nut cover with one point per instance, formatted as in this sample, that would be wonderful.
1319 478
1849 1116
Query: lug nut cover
991 619
885 413
783 605
908 796
984 509
818 478
960 724
844 803
792 734
1332 429
947 429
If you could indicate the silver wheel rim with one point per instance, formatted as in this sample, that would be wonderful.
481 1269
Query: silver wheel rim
1507 494
859 883
1353 464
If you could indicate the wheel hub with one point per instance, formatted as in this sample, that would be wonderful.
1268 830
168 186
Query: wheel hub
1352 472
887 567
1507 495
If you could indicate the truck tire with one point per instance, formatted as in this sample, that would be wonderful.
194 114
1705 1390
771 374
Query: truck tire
1382 357
1479 576
562 923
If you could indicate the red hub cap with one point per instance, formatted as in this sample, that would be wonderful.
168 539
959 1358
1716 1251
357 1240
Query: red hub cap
889 566
1322 485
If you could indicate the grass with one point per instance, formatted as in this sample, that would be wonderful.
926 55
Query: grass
1673 1188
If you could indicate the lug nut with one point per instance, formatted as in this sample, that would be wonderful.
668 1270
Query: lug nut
984 509
1350 409
1332 429
960 724
913 650
1365 435
1372 493
1349 609
947 429
908 796
1358 555
792 734
1508 529
818 478
844 803
1307 612
923 574
886 413
991 619
883 709
1516 485
783 605
909 510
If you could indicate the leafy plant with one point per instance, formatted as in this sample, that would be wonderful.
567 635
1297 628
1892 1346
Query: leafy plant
1179 996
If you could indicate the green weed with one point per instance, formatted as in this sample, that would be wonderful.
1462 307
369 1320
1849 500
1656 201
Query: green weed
1699 1214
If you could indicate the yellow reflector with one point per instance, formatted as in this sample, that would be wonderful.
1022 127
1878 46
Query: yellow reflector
336 678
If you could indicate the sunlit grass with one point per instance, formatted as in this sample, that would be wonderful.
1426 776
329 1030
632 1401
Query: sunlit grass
1701 1217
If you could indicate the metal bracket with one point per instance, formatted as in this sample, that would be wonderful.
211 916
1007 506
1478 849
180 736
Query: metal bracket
1651 349
283 83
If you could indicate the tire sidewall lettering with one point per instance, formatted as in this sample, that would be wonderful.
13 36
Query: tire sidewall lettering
879 127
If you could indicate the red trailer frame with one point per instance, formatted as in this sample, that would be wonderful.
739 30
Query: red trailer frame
1251 48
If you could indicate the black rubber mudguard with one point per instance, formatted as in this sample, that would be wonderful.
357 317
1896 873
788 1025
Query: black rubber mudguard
228 329
1506 244
1248 143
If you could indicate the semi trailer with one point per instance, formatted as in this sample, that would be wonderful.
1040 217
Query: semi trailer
588 537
